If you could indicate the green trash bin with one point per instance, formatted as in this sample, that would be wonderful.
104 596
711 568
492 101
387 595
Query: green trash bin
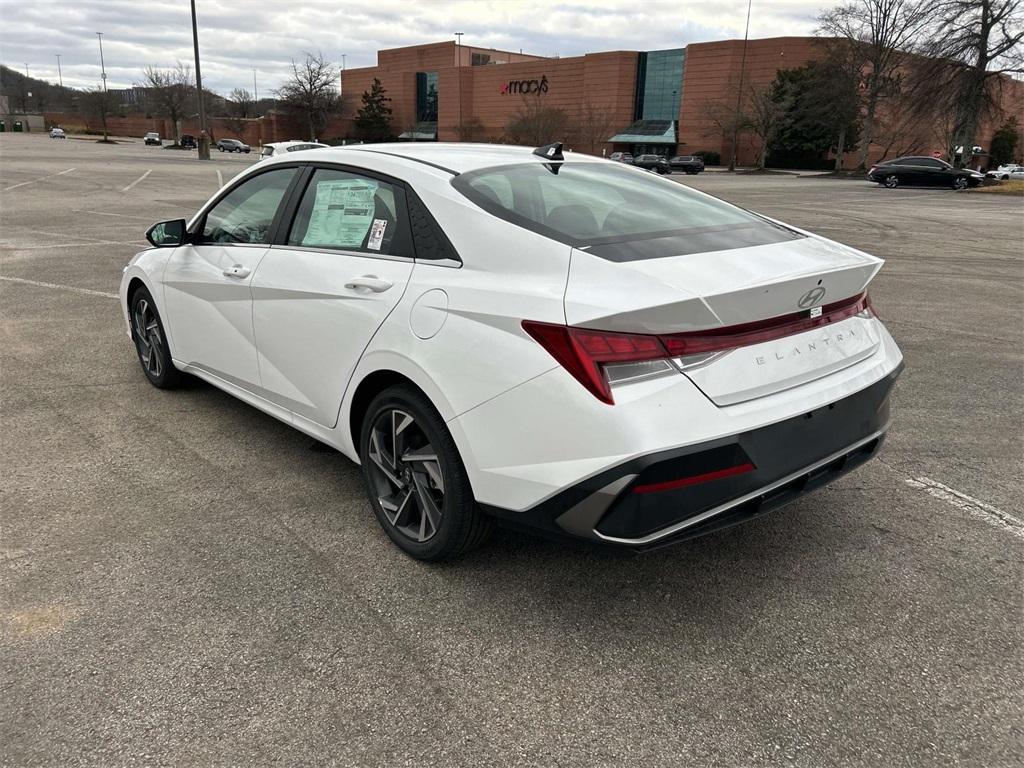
3 126
17 126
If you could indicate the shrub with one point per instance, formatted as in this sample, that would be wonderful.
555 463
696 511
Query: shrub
709 157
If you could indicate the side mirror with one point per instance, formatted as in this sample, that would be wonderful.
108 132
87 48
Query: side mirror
167 234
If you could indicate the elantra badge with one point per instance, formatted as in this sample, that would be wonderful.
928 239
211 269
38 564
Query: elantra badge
811 298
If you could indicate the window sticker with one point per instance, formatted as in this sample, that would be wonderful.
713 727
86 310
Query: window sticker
342 212
377 234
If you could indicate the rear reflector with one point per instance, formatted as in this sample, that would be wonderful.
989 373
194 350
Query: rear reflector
585 352
706 477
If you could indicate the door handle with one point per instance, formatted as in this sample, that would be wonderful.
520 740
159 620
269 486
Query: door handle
371 282
237 271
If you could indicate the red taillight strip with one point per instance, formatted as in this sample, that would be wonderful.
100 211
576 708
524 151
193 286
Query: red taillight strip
759 331
682 482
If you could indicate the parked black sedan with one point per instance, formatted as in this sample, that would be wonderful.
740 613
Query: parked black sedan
687 164
922 172
232 145
655 163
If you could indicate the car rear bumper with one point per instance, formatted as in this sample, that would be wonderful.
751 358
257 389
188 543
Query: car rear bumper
668 496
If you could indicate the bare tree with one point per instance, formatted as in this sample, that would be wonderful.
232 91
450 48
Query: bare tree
99 103
472 129
766 108
723 116
312 90
881 31
970 44
592 127
240 103
535 123
169 91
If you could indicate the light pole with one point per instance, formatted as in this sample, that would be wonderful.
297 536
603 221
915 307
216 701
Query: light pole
103 67
203 151
255 93
739 92
458 74
26 70
60 76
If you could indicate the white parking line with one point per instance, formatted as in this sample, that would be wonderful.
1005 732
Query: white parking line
220 179
75 289
119 215
972 506
137 180
33 181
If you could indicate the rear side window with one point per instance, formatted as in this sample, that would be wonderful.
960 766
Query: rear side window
350 212
616 212
267 151
245 214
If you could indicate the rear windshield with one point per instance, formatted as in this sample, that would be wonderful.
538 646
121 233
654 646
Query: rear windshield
614 211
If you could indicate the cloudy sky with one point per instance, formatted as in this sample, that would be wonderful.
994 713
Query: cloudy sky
237 35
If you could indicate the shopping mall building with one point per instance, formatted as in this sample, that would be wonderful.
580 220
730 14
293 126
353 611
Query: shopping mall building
644 101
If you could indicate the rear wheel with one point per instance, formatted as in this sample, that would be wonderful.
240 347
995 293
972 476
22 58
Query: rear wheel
415 479
892 181
151 342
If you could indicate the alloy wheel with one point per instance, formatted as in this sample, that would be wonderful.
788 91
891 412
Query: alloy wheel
892 181
148 338
406 475
960 182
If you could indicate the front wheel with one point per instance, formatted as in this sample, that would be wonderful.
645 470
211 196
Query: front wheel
892 181
415 478
960 182
151 342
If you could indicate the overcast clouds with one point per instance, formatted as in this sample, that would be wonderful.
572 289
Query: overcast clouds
237 35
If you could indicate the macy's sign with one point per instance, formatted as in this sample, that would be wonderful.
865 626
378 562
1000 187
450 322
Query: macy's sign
526 86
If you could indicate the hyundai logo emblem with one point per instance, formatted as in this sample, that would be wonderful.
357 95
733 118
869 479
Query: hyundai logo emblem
811 298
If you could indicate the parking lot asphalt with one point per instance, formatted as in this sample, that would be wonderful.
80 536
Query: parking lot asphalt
186 581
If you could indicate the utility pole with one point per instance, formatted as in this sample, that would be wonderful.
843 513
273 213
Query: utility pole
60 76
103 67
458 74
204 137
739 92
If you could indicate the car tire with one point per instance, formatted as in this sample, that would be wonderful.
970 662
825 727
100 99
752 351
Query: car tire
151 341
891 181
961 182
420 493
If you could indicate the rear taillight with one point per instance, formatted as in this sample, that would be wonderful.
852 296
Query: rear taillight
598 359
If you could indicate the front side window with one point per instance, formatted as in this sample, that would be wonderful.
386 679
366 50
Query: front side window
350 212
616 212
246 213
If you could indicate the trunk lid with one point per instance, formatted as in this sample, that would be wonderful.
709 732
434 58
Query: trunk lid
717 289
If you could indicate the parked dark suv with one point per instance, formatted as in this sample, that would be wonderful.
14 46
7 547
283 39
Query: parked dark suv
653 163
687 164
188 141
922 171
232 145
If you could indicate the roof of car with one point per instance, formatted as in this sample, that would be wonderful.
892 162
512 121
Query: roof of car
453 157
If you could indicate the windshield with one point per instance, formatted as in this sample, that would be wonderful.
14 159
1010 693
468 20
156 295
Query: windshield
604 206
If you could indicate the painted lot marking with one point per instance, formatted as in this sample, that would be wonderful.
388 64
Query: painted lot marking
143 176
34 181
75 289
220 179
972 506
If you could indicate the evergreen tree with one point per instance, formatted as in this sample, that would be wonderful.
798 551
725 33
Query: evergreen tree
373 120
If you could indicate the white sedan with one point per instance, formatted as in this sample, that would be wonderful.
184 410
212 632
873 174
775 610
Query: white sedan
561 343
1004 172
284 147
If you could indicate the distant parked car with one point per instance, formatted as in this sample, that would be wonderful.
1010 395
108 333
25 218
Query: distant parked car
1004 172
152 138
232 145
189 141
621 157
57 133
687 163
284 147
923 171
654 163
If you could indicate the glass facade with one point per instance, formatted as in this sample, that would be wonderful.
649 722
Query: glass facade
659 84
426 97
